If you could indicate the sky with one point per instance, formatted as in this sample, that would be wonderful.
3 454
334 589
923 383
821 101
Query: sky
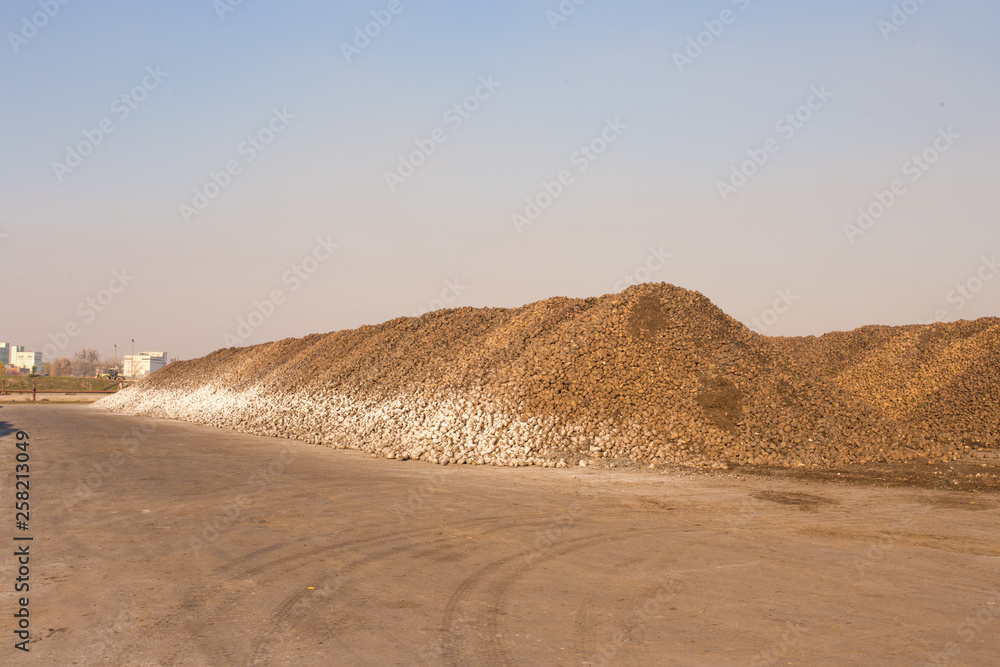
202 174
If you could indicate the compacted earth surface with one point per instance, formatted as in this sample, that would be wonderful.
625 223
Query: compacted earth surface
164 542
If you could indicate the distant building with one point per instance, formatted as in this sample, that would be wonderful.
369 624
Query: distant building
18 357
28 360
144 363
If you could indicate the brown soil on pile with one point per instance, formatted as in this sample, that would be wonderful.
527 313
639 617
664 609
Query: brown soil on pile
656 374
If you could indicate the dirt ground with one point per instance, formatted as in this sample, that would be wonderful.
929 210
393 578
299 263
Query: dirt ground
167 543
41 399
976 474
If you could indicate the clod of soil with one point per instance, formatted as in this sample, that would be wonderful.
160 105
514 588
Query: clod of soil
804 501
653 375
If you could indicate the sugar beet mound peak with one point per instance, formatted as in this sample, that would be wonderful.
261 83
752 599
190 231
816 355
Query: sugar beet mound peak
655 374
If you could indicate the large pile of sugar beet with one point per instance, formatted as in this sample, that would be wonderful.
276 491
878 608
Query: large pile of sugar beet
656 374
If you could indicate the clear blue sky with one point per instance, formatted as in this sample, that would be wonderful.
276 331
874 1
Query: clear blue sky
673 130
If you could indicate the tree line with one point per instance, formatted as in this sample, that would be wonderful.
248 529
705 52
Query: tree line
85 362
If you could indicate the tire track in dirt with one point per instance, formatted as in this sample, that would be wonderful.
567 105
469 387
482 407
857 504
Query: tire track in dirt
493 583
294 612
196 603
584 627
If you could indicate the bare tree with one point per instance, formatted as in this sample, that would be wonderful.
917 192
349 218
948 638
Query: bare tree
88 356
60 366
93 357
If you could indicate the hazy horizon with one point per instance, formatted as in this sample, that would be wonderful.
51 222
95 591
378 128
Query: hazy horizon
172 169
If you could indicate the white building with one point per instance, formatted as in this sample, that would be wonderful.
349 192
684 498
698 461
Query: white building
144 363
28 360
17 356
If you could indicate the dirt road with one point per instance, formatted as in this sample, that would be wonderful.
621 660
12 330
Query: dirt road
167 543
42 398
